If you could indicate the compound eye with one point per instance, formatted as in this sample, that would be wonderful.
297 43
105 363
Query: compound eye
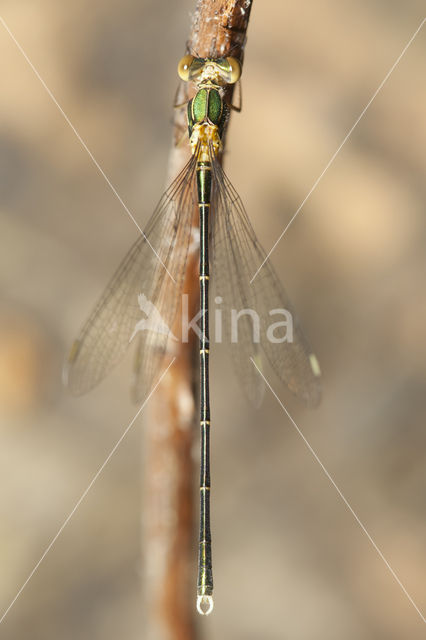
234 70
184 66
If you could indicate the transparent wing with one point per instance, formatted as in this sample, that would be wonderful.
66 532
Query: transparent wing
236 257
141 300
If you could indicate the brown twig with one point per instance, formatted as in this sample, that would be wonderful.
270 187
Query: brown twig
218 29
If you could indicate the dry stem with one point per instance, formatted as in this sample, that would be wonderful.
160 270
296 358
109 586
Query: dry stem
218 29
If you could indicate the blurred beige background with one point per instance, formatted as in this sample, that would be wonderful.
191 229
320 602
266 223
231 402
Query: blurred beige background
290 560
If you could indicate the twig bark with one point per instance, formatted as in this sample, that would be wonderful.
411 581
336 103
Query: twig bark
169 548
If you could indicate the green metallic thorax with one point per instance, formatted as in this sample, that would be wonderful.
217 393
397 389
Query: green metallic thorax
207 106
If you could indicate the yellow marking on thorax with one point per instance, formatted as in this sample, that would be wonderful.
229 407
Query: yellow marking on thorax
205 135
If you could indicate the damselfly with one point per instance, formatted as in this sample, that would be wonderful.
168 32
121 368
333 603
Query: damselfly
151 276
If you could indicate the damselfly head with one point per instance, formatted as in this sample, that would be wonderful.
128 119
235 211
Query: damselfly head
209 71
